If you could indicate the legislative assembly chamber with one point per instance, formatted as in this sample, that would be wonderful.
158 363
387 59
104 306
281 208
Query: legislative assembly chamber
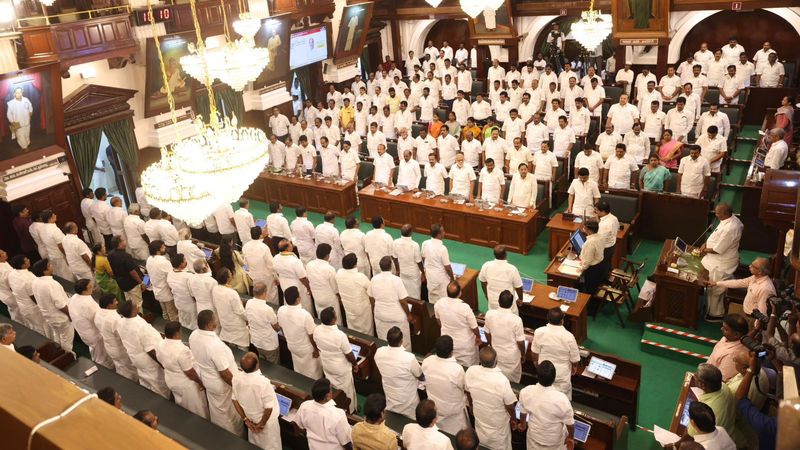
399 224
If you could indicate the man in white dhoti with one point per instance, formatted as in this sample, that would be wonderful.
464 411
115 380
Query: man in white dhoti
230 311
322 279
721 257
243 220
259 261
425 434
115 216
353 286
77 253
53 239
556 344
134 233
107 320
19 282
19 111
444 383
498 276
87 205
256 403
436 260
82 309
408 259
352 239
52 302
400 374
292 273
263 324
158 267
457 320
337 356
6 296
298 328
326 425
202 284
377 244
179 371
492 399
546 412
140 340
303 231
178 281
216 366
390 299
506 334
326 233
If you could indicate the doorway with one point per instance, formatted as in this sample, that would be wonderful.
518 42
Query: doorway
110 172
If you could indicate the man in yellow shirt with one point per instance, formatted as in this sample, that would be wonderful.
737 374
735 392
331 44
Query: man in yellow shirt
373 432
347 114
470 126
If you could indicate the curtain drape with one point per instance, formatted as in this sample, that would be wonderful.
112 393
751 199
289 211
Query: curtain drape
227 100
305 82
122 139
85 146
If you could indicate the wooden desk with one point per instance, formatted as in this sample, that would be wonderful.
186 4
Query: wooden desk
461 223
618 396
469 287
560 230
554 276
314 195
676 300
576 318
686 394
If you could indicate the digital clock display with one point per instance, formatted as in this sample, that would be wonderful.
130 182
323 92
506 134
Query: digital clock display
161 14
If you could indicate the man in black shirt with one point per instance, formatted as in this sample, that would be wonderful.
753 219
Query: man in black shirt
126 271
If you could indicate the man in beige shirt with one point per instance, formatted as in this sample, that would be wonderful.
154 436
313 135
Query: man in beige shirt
591 256
373 433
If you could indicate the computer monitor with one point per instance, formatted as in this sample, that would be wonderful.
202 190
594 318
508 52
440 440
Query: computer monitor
208 252
680 245
582 431
483 335
458 269
527 285
601 367
685 412
577 239
284 403
261 223
567 294
356 349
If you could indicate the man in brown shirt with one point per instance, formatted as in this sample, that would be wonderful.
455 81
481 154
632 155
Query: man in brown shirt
373 434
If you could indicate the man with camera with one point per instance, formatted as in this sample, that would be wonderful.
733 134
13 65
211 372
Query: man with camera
787 348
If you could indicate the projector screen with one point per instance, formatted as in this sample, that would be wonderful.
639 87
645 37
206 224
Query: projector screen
308 46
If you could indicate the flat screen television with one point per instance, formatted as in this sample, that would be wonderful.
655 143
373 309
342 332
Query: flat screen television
308 46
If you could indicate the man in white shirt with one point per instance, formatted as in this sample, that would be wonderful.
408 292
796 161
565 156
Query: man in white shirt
202 285
506 334
580 118
180 373
329 154
491 183
707 433
158 267
647 97
325 424
19 282
730 87
52 301
637 143
693 102
298 328
536 132
524 188
230 311
624 78
254 399
712 147
620 170
652 122
495 72
461 108
291 273
134 233
721 257
279 124
481 110
583 193
353 287
761 56
384 167
303 232
448 147
641 82
569 93
679 120
622 115
563 138
77 253
436 261
778 149
713 117
374 139
116 217
426 104
408 259
408 172
670 85
400 374
263 324
244 220
352 240
390 299
608 228
462 178
107 320
700 82
424 144
178 282
495 147
457 320
493 401
745 70
377 244
553 113
277 225
546 412
326 233
732 51
702 56
322 279
224 217
591 160
338 361
516 155
472 150
138 337
556 344
693 174
52 238
499 275
444 383
217 368
545 164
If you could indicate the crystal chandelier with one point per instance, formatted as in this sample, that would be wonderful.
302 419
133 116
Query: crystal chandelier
592 28
473 8
434 3
237 62
198 174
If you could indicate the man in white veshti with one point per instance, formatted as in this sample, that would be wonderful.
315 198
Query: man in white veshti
19 113
353 286
388 294
255 401
338 361
180 372
298 328
401 374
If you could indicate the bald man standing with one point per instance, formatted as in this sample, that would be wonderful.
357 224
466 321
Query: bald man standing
492 399
256 403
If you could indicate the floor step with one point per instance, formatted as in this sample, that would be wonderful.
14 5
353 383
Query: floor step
659 348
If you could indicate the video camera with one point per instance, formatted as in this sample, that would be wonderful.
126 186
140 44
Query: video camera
783 302
754 346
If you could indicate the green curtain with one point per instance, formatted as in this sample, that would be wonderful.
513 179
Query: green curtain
230 101
304 76
85 146
201 105
122 139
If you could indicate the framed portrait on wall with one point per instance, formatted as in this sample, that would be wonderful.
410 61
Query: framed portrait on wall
32 124
173 47
274 36
494 23
645 20
353 30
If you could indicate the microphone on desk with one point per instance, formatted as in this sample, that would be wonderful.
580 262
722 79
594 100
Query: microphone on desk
703 233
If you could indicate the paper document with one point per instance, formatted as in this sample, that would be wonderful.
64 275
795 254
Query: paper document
527 298
395 192
569 270
664 437
564 308
571 262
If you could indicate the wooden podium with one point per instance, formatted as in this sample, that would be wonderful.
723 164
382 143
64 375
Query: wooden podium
677 298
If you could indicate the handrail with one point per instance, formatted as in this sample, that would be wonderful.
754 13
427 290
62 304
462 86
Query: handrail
121 9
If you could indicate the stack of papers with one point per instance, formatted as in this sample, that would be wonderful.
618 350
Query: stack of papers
396 192
569 270
571 262
664 437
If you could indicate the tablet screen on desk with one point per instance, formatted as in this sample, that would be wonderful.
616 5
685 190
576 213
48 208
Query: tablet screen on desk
483 335
602 368
458 269
680 245
527 284
285 404
208 252
356 349
685 412
567 294
146 281
261 223
582 431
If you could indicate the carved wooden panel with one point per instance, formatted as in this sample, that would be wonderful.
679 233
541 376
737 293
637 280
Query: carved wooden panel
94 105
209 14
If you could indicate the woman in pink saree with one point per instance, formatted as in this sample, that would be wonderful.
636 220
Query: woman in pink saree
784 118
669 150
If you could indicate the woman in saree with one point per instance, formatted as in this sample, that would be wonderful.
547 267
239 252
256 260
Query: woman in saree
233 261
103 274
669 150
784 118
